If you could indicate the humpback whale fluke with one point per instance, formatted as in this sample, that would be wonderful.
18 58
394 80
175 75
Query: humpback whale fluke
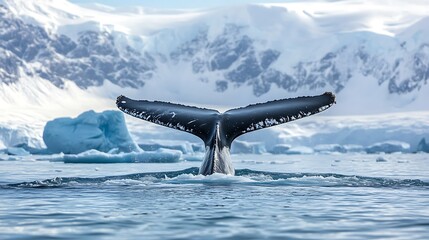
218 130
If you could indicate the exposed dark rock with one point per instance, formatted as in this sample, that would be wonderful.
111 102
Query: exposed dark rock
232 55
90 61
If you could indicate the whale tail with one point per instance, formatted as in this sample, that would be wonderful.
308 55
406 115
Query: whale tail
197 121
218 130
205 123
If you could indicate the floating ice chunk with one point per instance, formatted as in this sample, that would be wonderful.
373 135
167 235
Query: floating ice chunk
300 150
280 149
193 157
113 151
330 148
248 147
423 146
32 150
94 156
17 151
90 130
389 147
354 148
152 145
198 147
159 156
14 132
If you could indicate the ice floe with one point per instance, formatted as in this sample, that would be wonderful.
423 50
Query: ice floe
94 156
389 147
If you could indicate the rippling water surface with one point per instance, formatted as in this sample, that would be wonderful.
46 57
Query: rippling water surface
272 197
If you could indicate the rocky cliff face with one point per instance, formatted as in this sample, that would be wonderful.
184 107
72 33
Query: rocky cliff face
27 50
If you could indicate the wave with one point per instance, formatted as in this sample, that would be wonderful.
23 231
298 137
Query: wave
242 177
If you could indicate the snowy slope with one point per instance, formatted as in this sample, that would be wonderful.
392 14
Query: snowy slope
260 52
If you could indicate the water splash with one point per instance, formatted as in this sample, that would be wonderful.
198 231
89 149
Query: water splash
242 177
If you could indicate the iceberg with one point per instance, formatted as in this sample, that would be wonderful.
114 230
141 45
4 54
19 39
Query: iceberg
354 148
90 130
13 133
299 150
17 151
160 156
389 147
32 150
380 159
330 148
354 133
154 144
423 146
194 157
248 147
280 149
198 147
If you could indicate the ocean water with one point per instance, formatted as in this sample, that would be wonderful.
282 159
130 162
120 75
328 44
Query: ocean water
271 197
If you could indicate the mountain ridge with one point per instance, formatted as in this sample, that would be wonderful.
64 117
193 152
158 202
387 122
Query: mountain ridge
266 60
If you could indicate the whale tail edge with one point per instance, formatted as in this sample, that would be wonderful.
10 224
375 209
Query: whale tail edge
203 122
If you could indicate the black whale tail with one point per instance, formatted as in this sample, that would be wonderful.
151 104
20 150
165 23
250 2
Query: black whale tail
207 124
197 121
218 130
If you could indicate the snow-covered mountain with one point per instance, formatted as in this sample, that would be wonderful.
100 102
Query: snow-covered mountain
373 59
60 59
